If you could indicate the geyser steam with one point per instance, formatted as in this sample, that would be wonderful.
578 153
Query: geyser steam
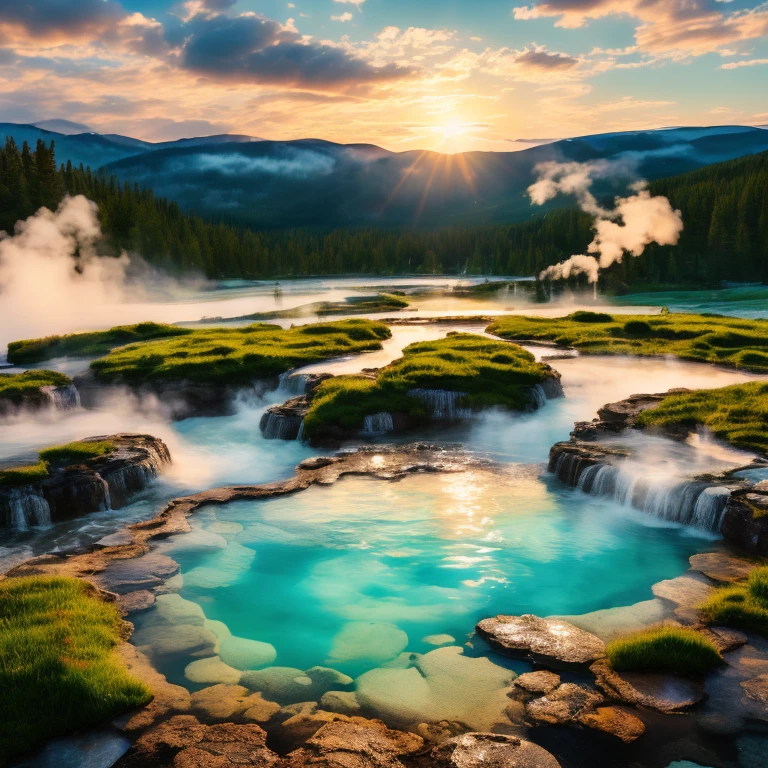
632 224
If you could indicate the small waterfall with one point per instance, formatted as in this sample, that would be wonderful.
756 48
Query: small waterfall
300 435
441 403
22 507
277 426
539 396
293 384
378 424
693 503
63 398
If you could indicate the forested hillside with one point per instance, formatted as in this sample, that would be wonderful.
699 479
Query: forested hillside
725 210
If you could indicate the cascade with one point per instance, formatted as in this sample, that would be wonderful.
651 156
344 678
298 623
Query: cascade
293 383
63 398
691 502
22 507
539 396
441 403
277 426
378 424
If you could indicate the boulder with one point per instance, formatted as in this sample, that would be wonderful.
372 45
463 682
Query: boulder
299 722
563 705
745 522
552 642
222 702
538 682
343 702
616 721
288 685
663 692
210 671
182 639
490 750
146 572
357 743
133 602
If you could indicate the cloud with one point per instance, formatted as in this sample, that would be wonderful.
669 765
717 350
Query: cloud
532 64
343 17
357 3
672 27
739 64
58 20
253 49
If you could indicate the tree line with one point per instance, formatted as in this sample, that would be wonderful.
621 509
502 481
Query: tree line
725 211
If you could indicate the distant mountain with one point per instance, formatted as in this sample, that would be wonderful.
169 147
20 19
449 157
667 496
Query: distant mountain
315 183
67 127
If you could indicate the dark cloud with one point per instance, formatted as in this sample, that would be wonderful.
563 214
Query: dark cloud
546 60
251 49
59 18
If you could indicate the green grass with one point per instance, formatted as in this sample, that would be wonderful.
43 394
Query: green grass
58 669
237 356
737 414
91 344
18 387
353 305
710 339
13 477
492 373
741 605
667 649
70 453
77 451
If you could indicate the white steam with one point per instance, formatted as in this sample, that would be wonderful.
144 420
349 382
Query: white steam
632 224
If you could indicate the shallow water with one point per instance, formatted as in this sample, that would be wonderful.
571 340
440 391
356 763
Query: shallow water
350 576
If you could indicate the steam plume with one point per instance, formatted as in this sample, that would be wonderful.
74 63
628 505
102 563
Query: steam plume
632 224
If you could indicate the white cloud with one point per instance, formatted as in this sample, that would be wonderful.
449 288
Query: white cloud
343 17
739 64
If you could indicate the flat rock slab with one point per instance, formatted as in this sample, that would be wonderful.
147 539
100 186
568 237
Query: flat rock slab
552 641
491 750
144 572
118 539
538 682
663 692
722 566
725 638
686 591
133 602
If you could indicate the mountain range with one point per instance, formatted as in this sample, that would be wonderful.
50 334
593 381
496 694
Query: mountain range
320 184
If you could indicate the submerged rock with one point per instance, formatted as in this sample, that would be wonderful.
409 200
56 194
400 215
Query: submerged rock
490 750
538 682
563 705
552 641
616 721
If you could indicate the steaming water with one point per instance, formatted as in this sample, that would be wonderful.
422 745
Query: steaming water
749 301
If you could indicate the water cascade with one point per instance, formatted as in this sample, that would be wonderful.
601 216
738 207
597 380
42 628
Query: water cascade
278 426
441 403
22 508
539 396
294 384
695 503
63 398
378 424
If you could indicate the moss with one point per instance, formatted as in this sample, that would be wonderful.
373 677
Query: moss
583 316
77 451
17 387
87 344
237 356
58 667
741 605
492 373
668 649
13 477
727 341
737 414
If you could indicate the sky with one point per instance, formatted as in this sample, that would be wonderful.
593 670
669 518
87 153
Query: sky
446 75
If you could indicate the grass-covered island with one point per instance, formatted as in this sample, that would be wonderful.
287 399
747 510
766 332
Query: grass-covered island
737 414
680 650
486 372
33 390
91 344
58 667
236 356
703 338
743 605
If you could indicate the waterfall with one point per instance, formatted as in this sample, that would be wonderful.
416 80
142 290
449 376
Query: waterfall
277 426
539 396
694 502
22 507
300 435
294 383
378 424
441 403
63 398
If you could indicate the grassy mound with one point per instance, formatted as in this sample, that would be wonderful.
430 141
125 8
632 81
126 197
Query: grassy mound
741 605
723 340
57 454
738 413
58 670
17 387
667 649
237 356
30 351
352 305
492 373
